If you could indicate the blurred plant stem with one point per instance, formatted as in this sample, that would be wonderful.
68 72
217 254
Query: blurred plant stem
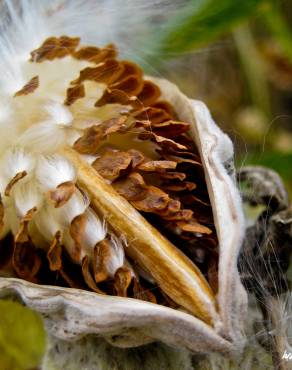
254 69
278 27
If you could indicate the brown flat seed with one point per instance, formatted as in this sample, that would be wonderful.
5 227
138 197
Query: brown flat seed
76 230
154 201
157 166
62 193
96 55
149 94
113 125
132 188
107 72
155 115
26 261
162 141
113 97
167 107
193 226
170 128
131 85
173 175
74 93
142 293
89 142
29 88
130 69
122 280
22 234
54 253
172 207
111 164
182 215
88 276
136 156
54 47
101 258
89 53
182 186
17 177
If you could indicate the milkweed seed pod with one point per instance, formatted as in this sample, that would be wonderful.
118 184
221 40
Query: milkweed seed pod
117 185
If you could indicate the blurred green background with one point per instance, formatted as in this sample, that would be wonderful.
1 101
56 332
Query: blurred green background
237 57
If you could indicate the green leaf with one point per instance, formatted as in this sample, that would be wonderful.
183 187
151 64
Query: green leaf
202 21
22 337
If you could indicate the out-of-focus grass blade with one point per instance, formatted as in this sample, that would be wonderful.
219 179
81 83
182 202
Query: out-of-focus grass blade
200 22
22 337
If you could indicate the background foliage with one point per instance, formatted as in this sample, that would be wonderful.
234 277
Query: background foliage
237 57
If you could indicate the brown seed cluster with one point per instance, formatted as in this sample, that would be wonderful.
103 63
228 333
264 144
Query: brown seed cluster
169 189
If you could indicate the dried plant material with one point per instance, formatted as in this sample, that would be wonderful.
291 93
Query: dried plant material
107 72
133 188
88 276
131 85
62 193
22 235
130 69
162 141
122 280
111 164
189 289
115 96
101 258
142 293
157 166
180 159
153 115
12 182
149 94
29 88
163 149
89 142
55 47
76 230
96 55
170 128
172 207
192 226
166 106
154 201
26 261
136 157
182 186
89 53
55 252
184 214
74 93
173 175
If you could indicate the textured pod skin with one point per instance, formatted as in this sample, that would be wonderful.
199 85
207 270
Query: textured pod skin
71 313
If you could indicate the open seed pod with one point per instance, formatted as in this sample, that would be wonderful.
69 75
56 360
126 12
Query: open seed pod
119 212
